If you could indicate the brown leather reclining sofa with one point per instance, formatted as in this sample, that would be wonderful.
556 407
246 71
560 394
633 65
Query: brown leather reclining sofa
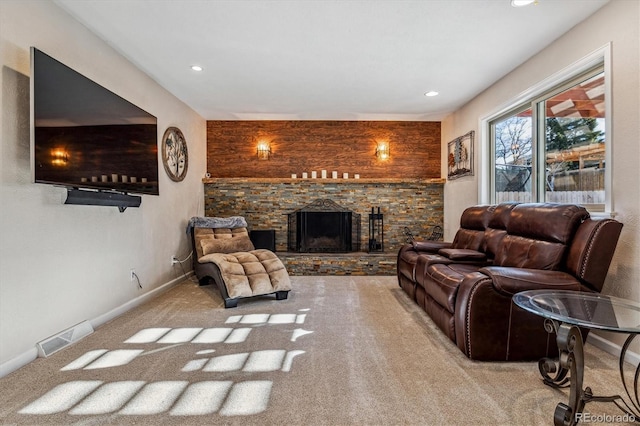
466 285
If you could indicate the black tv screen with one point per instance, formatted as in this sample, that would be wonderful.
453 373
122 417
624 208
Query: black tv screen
85 136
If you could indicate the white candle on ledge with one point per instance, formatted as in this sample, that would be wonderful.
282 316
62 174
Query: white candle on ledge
356 176
314 174
294 176
323 174
345 176
334 175
304 175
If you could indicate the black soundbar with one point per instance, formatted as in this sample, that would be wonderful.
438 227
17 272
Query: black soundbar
102 198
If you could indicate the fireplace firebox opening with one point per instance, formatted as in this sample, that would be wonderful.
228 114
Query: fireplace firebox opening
323 227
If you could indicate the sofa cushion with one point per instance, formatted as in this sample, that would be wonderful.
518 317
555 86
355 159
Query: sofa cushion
493 241
441 282
500 215
470 239
538 235
496 228
423 263
475 217
523 252
547 222
473 222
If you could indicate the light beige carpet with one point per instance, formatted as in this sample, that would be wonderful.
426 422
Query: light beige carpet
339 351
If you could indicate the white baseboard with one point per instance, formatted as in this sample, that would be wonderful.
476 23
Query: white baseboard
18 362
97 322
30 355
612 348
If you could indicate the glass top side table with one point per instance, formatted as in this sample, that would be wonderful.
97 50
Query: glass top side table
565 312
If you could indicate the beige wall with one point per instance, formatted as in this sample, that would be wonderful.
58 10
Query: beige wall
617 23
60 264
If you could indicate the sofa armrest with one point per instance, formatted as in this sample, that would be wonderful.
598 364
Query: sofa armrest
463 254
430 246
509 281
490 327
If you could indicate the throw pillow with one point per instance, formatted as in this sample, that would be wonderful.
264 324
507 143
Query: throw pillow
226 245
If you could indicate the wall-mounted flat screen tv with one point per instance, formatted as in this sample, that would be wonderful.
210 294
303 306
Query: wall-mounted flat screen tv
85 136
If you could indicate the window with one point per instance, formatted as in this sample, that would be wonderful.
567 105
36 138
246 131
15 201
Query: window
552 146
513 156
574 143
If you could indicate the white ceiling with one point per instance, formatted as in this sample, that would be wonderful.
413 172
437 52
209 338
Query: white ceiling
327 59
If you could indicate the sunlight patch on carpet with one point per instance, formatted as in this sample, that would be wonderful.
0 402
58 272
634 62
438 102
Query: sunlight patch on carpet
201 398
195 365
257 319
84 360
148 335
212 335
282 319
299 332
254 319
108 398
288 361
254 362
62 397
247 398
116 358
233 362
180 335
178 397
239 335
261 361
137 398
155 398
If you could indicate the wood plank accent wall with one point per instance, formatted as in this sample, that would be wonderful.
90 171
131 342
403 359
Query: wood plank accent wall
342 146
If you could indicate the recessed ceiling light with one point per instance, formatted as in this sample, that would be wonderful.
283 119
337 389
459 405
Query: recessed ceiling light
196 67
431 93
520 3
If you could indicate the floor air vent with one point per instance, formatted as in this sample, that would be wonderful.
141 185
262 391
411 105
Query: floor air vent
63 339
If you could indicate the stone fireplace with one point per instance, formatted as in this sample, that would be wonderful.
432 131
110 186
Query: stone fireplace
323 227
416 204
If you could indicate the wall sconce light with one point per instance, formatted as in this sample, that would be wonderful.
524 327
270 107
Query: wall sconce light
59 157
382 150
264 151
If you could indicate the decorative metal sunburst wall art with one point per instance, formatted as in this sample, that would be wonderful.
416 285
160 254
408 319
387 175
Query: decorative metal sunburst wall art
175 156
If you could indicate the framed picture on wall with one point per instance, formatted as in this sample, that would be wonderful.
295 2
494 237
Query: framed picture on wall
460 156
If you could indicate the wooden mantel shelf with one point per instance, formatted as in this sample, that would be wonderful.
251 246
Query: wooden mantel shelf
321 181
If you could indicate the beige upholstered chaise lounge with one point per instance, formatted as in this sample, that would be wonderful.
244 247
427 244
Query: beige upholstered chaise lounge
223 252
